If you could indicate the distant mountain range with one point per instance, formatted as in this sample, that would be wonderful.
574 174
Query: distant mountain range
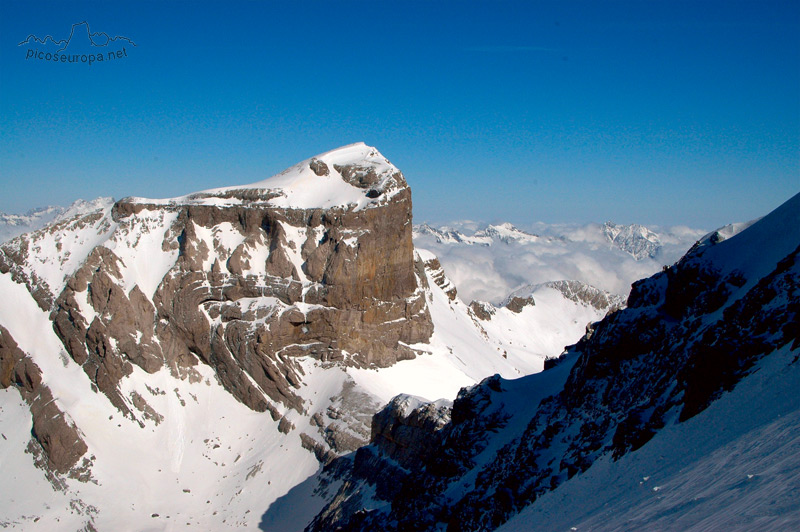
12 225
487 262
636 240
504 232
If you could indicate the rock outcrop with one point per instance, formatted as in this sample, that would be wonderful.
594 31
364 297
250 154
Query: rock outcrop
516 303
432 264
52 431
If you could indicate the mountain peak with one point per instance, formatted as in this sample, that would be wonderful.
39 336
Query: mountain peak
507 232
637 240
354 176
354 153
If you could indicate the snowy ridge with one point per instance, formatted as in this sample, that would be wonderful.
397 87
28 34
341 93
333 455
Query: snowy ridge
775 236
356 175
574 291
13 225
725 232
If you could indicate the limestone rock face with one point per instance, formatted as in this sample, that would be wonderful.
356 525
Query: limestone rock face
442 281
57 436
318 261
516 304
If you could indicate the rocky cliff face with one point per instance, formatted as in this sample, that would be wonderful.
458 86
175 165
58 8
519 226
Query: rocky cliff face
689 335
317 262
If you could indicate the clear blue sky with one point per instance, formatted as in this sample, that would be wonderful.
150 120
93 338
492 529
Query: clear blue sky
644 111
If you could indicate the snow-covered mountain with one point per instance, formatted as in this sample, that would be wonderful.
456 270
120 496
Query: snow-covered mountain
504 232
679 412
636 240
12 225
185 362
489 262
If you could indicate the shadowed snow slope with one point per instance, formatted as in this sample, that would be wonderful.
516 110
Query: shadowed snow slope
735 466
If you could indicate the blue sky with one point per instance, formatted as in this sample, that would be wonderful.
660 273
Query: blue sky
645 111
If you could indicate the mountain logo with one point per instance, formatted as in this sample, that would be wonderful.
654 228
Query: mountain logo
82 46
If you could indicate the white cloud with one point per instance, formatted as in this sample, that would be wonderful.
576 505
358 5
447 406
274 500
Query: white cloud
580 252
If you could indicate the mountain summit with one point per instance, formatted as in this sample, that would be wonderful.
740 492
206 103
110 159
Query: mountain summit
245 289
356 176
276 269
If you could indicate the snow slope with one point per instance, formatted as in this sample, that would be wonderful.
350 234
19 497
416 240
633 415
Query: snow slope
301 187
734 466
